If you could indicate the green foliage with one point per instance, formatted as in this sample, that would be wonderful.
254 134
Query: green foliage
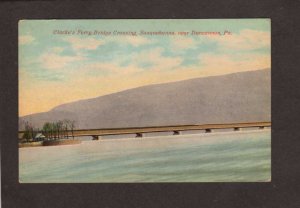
54 130
59 129
30 132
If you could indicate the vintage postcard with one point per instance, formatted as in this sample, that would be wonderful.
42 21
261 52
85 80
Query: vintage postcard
149 100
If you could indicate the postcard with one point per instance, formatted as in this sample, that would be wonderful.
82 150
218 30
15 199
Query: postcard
144 100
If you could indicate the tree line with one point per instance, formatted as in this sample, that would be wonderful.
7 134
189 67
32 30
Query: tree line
51 130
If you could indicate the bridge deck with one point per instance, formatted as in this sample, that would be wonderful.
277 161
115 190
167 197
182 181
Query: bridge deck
135 130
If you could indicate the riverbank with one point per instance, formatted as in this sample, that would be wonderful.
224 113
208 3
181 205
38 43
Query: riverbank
61 142
30 144
50 143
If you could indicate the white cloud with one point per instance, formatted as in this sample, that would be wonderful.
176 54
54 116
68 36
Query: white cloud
110 68
133 40
156 59
84 43
93 43
25 39
52 60
182 43
157 63
245 40
57 49
223 64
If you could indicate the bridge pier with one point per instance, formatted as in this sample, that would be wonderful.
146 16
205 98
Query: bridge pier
96 137
139 135
208 130
236 129
177 133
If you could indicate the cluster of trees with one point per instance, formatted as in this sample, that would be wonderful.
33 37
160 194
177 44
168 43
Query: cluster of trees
51 130
30 132
59 129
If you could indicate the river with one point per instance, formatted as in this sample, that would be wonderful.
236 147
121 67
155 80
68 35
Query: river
243 156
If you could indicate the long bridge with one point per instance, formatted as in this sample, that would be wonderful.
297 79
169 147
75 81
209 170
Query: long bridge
176 129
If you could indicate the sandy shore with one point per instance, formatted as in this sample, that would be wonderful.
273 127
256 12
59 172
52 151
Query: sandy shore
31 144
50 143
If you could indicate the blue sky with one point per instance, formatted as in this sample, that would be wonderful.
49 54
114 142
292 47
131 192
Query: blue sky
69 67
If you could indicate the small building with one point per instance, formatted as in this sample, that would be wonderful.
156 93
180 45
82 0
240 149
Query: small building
39 137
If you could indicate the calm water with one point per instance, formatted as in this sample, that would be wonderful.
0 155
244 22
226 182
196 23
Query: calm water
231 156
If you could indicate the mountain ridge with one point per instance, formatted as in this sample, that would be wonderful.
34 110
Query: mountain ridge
192 101
143 87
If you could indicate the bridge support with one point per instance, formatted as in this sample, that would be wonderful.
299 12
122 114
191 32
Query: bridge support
139 135
236 129
177 133
96 137
208 130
